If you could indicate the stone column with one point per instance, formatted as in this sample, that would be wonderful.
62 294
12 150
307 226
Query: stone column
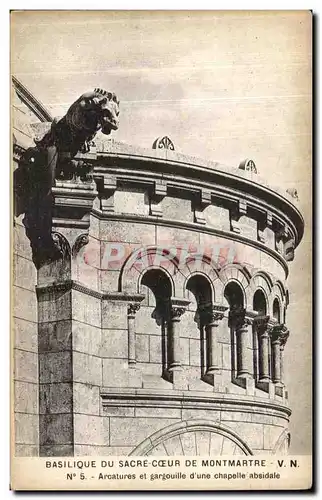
263 348
212 316
242 321
131 311
283 339
178 307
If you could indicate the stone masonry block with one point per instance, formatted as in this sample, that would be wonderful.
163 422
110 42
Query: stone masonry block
271 435
114 344
24 273
25 366
195 359
177 209
26 397
87 368
145 323
127 202
86 398
56 429
172 236
109 280
26 428
86 308
90 429
56 398
24 304
56 450
26 450
55 367
25 335
253 434
142 348
129 233
86 338
58 307
117 374
155 349
132 431
114 315
21 244
55 336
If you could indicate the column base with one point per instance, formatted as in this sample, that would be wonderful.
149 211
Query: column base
247 382
175 367
214 378
280 389
134 376
179 380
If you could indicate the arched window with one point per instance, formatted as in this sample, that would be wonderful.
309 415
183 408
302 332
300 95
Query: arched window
276 310
235 298
200 288
259 303
259 306
159 291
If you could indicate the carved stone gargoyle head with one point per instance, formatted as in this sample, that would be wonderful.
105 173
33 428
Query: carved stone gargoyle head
94 111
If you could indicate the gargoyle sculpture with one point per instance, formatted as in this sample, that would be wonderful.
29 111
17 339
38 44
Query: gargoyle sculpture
53 158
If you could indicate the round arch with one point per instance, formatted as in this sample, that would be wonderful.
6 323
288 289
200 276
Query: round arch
174 440
142 260
240 275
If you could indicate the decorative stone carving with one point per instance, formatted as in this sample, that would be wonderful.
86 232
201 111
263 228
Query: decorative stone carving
235 214
64 153
80 242
248 165
293 192
202 201
163 143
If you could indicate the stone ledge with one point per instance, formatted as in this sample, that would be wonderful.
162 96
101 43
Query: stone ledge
126 397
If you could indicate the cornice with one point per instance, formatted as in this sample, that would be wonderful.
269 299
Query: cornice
125 397
193 226
194 174
65 286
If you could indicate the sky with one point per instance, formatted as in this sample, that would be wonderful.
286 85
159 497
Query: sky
222 85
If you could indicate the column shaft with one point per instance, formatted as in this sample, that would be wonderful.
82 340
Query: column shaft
244 353
276 361
175 345
264 375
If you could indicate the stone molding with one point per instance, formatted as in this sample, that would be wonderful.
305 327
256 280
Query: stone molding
223 182
125 397
191 425
46 290
191 226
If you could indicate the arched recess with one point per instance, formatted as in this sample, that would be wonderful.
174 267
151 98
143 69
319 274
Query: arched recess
158 284
260 305
238 274
142 260
277 310
200 288
193 437
263 281
235 297
201 264
282 444
260 302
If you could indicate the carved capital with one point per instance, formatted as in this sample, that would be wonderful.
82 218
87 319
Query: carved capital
132 309
178 308
241 318
80 242
212 313
264 325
